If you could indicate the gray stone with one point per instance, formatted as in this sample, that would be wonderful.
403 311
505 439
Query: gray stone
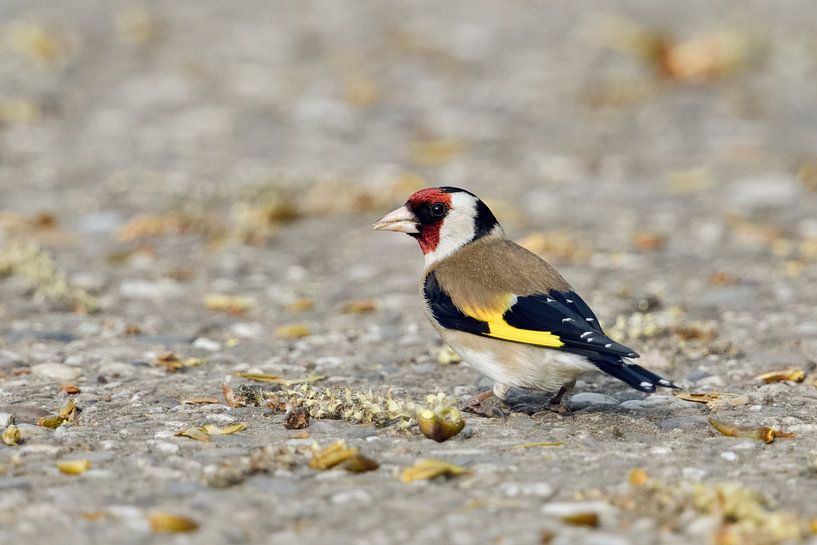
14 483
590 399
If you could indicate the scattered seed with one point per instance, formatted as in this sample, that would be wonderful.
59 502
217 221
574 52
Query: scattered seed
164 523
74 467
431 468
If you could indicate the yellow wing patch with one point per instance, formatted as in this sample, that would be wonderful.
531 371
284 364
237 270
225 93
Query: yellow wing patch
500 329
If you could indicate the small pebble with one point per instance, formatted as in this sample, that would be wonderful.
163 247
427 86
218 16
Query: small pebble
206 344
56 372
729 456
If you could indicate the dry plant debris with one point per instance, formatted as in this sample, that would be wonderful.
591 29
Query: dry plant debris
713 400
11 436
763 433
440 423
740 516
338 453
166 523
431 468
48 281
231 304
296 418
183 220
784 375
67 413
74 467
275 379
293 331
359 407
203 433
702 57
359 307
173 363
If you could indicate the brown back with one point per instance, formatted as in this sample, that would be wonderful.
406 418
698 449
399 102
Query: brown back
482 273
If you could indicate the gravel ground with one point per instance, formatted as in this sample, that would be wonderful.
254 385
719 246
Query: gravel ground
153 156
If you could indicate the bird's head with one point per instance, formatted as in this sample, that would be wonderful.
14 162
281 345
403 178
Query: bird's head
442 219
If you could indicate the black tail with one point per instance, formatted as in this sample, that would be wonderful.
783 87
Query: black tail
634 375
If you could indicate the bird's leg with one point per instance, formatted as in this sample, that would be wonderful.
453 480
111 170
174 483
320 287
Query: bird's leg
476 404
556 404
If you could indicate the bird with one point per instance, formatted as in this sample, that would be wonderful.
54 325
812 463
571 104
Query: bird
504 310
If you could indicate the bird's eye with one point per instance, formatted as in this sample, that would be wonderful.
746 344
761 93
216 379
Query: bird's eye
438 210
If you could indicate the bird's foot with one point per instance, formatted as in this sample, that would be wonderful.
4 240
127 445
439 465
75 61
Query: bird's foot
485 404
556 404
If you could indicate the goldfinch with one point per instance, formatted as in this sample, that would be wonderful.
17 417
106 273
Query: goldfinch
505 311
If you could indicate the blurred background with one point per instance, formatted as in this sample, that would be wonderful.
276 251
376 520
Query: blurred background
616 135
187 189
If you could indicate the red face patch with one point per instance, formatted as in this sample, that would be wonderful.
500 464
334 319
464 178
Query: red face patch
422 203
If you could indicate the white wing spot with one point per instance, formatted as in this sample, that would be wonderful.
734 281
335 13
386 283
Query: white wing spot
591 339
549 300
569 300
586 333
664 382
646 384
590 319
567 320
608 345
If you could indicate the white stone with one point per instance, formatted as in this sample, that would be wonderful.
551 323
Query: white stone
6 419
247 330
56 371
206 344
729 456
537 489
218 418
351 496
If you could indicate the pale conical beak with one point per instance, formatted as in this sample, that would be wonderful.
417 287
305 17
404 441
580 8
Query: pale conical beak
401 220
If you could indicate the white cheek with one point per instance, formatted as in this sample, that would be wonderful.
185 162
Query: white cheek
457 229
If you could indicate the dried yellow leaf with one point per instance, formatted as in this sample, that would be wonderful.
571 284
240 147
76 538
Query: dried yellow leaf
74 467
358 463
329 457
165 523
52 421
173 363
211 429
638 477
430 468
791 374
762 433
301 305
35 42
68 408
359 307
264 377
535 445
584 518
713 400
198 433
11 435
293 331
232 304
